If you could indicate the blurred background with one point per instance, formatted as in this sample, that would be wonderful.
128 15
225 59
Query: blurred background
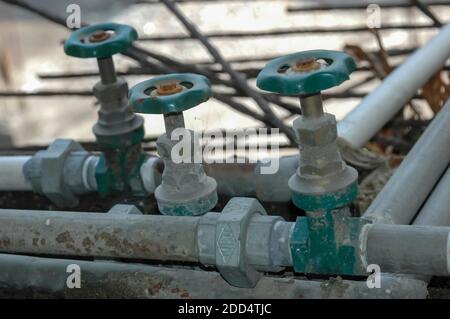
45 94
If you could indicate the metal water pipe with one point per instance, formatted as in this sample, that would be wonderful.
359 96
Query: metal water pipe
242 241
377 108
112 279
406 191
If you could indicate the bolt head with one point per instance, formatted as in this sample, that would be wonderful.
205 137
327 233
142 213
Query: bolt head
316 132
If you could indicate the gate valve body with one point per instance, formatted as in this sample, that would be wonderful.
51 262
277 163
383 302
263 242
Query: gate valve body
118 130
322 181
185 189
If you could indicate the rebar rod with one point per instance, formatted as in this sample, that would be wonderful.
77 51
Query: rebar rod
425 10
286 32
239 80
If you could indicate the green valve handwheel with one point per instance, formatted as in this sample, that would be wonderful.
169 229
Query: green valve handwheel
100 40
171 93
306 72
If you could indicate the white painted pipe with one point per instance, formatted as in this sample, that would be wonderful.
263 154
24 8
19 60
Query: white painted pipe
11 173
409 249
436 210
13 179
362 123
406 191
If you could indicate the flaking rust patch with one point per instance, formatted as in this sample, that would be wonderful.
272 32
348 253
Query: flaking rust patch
64 238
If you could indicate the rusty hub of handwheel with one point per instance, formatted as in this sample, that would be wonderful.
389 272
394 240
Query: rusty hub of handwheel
169 88
306 65
99 36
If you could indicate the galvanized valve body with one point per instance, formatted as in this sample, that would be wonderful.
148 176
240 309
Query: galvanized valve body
118 130
185 188
322 181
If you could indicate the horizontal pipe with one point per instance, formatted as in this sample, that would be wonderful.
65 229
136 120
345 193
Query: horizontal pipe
11 172
405 192
362 123
45 277
137 236
99 234
400 249
234 179
409 249
435 211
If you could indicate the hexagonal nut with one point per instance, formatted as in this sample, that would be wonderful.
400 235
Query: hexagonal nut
107 93
46 172
119 114
316 132
231 241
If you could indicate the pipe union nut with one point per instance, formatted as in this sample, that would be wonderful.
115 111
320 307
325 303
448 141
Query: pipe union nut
231 241
47 170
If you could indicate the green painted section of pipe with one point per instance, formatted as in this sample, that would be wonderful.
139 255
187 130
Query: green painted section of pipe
325 201
327 243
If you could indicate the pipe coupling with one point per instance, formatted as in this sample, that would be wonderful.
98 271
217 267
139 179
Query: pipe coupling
241 241
55 172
